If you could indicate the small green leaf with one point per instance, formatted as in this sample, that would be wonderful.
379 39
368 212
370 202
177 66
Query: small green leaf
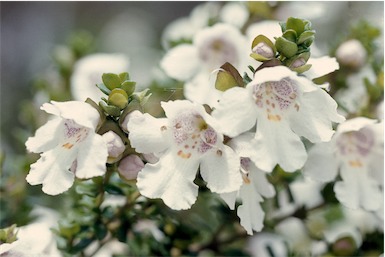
286 47
111 80
305 36
291 35
114 190
224 81
296 24
110 109
103 88
129 87
124 76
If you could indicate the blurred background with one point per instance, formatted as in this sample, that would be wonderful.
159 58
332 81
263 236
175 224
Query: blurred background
30 31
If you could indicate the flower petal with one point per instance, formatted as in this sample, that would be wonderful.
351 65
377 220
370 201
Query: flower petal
321 66
314 119
46 137
52 170
250 212
181 62
321 163
220 169
80 112
260 182
236 112
92 157
275 144
230 199
201 89
358 190
146 134
170 179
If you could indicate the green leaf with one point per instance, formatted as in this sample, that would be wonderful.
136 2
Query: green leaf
129 87
305 36
286 47
114 190
296 24
110 109
124 76
291 35
103 88
111 80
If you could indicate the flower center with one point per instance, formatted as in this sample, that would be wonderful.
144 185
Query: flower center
73 134
192 135
355 145
276 97
217 51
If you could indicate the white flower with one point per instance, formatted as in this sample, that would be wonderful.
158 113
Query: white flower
234 13
283 106
355 97
254 187
69 146
266 244
293 230
187 139
356 152
351 53
212 47
35 239
88 73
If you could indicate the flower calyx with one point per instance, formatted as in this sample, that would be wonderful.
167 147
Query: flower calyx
228 77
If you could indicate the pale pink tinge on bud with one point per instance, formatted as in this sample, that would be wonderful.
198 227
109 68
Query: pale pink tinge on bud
351 53
130 166
115 145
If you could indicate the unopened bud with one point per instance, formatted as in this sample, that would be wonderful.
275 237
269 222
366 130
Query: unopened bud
135 113
130 166
298 63
351 53
264 50
115 146
345 246
118 97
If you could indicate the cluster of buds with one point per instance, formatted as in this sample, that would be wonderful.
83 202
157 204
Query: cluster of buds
292 49
118 88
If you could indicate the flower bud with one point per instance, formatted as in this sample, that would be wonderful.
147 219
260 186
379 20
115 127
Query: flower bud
134 113
345 246
118 97
130 166
264 50
115 146
351 53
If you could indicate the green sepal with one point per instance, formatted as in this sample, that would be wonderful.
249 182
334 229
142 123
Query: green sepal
118 97
302 68
262 39
259 57
110 125
272 63
124 76
129 87
103 88
111 80
306 36
110 109
228 77
296 24
305 56
290 35
286 47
